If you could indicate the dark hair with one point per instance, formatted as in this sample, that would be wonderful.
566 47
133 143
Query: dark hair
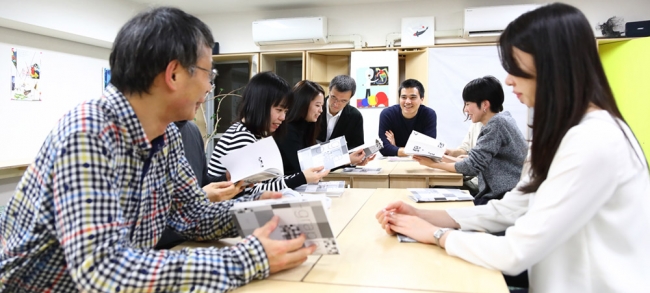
146 44
569 77
304 92
343 83
411 83
264 91
486 88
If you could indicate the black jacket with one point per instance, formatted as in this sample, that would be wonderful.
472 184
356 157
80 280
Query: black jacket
350 125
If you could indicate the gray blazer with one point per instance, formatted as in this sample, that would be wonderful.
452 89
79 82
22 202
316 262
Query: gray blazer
497 158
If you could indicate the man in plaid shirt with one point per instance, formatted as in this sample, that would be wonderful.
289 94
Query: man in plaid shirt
112 175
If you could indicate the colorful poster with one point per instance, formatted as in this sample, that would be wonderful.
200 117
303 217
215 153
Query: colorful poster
25 75
372 86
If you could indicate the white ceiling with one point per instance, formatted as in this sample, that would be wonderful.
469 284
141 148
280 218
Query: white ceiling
202 7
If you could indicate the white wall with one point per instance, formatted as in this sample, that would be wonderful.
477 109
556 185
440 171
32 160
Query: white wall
89 21
374 22
70 73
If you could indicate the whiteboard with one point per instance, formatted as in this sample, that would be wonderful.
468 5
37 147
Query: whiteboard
450 69
70 73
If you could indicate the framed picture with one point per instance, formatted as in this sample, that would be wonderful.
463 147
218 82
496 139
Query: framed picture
418 31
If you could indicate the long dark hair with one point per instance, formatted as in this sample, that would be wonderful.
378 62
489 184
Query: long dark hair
304 92
264 91
570 76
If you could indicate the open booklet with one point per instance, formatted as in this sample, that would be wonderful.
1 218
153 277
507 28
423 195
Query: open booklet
369 148
438 194
426 146
255 162
329 188
298 215
331 154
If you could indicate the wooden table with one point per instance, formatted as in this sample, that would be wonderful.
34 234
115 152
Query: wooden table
371 261
365 180
340 214
371 258
414 175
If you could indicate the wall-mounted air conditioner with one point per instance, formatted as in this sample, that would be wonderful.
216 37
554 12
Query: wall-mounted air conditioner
290 31
491 21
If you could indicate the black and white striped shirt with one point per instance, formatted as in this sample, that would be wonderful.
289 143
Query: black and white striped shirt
238 136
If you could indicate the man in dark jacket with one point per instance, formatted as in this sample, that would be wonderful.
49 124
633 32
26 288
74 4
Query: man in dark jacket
341 119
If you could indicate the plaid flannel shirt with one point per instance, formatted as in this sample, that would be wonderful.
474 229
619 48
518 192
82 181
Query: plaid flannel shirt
89 210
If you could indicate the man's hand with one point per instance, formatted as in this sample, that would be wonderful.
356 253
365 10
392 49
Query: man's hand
282 254
357 157
220 191
390 137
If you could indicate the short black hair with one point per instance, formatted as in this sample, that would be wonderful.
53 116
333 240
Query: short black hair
411 83
146 44
343 83
486 88
264 91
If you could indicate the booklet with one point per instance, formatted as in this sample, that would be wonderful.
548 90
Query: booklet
330 154
255 162
362 170
298 215
370 148
329 188
406 239
426 146
438 194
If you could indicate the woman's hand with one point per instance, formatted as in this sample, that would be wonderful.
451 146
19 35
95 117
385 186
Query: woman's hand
450 159
220 191
315 174
411 226
397 207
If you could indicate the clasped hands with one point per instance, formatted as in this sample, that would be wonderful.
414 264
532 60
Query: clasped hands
399 217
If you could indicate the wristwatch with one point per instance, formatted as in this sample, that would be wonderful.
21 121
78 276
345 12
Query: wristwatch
438 234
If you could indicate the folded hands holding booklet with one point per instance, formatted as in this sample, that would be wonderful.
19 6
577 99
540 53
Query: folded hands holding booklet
255 162
419 144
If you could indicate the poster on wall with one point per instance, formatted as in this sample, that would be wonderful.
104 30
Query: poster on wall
106 77
25 75
418 31
376 76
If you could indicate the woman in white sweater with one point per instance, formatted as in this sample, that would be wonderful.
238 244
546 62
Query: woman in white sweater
579 220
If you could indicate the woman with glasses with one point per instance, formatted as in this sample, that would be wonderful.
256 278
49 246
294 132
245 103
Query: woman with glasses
264 105
579 219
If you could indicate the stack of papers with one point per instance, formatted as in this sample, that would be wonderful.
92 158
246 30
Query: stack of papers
422 145
329 188
438 194
362 170
300 215
331 154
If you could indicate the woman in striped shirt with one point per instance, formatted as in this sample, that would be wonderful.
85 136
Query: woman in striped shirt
265 102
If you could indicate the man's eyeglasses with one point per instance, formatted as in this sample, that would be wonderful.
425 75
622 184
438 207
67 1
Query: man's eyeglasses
337 101
212 73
